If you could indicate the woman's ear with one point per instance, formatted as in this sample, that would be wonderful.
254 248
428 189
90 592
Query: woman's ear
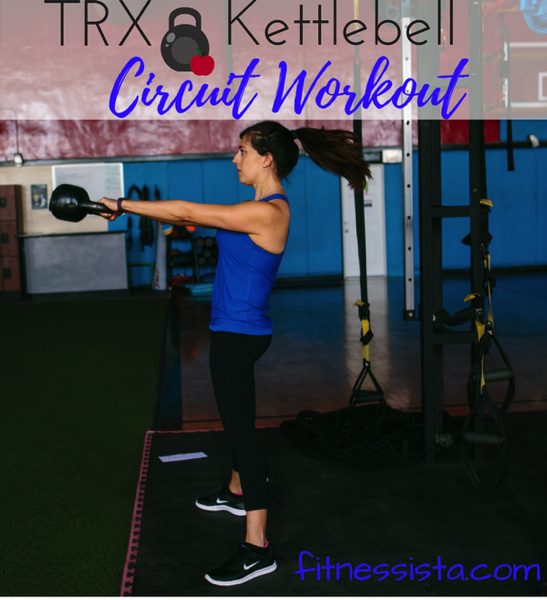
267 160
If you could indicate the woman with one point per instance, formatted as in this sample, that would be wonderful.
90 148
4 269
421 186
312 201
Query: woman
251 239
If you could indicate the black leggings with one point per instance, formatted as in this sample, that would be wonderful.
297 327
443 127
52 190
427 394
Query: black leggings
231 360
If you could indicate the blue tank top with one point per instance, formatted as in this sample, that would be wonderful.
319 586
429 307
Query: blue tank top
244 280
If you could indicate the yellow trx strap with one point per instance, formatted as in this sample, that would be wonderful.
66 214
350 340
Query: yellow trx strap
487 267
471 297
480 332
490 310
480 329
365 329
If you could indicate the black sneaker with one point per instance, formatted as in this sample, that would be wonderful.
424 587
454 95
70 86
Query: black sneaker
246 564
224 500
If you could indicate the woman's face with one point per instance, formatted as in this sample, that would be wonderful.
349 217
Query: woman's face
249 163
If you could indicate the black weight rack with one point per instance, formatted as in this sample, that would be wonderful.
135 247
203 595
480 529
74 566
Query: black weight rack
484 426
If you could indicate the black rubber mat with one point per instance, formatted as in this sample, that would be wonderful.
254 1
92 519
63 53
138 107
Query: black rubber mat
378 509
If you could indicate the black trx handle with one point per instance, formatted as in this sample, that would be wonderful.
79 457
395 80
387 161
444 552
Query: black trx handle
476 442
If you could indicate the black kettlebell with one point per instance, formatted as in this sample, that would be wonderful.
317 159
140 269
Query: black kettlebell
182 42
72 203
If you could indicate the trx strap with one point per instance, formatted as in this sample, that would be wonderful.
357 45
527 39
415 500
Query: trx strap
489 282
358 395
483 429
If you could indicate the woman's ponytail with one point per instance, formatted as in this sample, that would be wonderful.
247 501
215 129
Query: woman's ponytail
337 151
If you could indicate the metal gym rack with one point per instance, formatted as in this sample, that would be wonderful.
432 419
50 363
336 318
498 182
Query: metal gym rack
483 435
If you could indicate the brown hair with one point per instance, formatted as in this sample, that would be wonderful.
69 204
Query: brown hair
335 150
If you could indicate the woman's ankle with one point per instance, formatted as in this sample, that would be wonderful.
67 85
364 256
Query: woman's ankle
235 491
235 484
257 540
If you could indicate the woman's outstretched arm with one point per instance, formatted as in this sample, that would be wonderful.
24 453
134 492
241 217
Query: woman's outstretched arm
247 217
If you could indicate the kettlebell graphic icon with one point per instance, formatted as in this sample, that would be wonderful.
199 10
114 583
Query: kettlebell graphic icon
185 47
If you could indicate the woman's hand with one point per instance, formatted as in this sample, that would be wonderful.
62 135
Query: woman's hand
113 206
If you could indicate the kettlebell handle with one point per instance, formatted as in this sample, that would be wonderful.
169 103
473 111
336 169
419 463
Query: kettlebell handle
184 11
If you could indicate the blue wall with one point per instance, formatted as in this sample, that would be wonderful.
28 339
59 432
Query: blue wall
315 241
521 130
517 221
314 248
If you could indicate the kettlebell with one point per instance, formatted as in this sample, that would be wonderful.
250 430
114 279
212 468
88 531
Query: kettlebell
182 42
72 203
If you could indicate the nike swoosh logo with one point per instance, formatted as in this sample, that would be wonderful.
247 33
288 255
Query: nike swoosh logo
247 567
219 501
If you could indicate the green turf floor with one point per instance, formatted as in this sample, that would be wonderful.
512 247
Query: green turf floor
77 392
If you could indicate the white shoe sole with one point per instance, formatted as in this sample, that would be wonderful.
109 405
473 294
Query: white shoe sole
238 512
248 577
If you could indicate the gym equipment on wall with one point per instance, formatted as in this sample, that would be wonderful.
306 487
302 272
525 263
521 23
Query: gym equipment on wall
146 231
132 190
146 226
202 256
